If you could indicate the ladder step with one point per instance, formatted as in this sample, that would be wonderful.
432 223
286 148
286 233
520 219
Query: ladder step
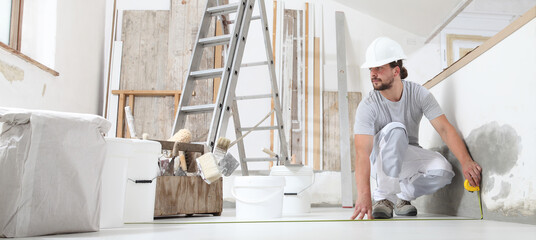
260 96
260 128
252 64
259 159
205 74
198 108
252 18
215 41
223 9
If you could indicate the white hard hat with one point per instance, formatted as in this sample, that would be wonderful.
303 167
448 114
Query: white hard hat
382 51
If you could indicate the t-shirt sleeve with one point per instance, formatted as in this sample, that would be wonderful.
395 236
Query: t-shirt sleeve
430 107
364 119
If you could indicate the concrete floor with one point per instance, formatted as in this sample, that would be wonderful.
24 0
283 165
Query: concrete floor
429 226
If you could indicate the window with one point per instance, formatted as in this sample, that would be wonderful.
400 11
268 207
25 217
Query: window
34 40
11 22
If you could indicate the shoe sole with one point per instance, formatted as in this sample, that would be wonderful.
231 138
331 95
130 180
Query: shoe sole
407 214
381 215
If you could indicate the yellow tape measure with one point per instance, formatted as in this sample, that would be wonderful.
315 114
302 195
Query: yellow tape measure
472 189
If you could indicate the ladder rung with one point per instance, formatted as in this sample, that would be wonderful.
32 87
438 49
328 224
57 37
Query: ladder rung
259 159
252 64
214 41
260 128
252 18
260 96
198 108
205 74
223 9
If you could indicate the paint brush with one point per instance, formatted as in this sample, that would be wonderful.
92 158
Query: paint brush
222 145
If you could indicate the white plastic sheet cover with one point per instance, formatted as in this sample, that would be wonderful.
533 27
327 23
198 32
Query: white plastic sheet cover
50 172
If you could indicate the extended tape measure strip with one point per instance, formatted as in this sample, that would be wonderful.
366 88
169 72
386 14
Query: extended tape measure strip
303 221
480 203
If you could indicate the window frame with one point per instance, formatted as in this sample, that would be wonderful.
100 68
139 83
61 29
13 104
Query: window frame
15 33
15 29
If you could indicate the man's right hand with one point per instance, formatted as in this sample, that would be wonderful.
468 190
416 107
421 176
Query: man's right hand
363 206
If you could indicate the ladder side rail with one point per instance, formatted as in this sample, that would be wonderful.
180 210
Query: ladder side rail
236 63
195 61
275 92
226 76
239 144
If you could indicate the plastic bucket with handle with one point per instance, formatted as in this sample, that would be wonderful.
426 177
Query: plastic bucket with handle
258 197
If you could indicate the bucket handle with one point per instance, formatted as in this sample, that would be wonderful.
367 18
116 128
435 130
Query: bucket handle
254 202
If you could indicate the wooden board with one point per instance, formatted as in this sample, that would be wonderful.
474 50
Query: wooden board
316 107
144 65
293 80
187 195
156 56
331 152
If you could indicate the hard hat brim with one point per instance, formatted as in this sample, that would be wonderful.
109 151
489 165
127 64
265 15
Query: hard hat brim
382 62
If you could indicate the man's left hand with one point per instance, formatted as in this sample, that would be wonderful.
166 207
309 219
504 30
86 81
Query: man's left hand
472 172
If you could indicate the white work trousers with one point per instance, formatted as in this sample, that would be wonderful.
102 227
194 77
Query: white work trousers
405 171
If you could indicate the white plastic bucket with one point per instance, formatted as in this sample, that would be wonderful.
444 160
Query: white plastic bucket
114 181
142 167
258 197
297 199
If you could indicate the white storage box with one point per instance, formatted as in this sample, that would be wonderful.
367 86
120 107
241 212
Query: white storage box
142 171
114 182
50 172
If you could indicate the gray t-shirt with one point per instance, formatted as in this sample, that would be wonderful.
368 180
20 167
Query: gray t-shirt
376 111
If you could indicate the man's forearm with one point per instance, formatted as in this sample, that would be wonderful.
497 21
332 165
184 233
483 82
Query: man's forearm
456 145
362 176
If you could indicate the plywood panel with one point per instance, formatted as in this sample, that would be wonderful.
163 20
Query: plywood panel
331 132
156 56
144 66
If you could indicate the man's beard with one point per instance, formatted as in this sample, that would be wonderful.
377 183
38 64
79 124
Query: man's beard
383 86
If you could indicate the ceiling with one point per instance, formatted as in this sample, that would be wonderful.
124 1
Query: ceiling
420 17
424 17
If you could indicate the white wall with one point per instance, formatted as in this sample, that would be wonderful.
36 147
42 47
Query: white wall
491 102
78 59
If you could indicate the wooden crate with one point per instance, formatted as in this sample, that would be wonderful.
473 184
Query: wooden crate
177 195
187 195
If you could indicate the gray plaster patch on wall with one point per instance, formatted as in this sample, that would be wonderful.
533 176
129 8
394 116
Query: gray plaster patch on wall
498 145
496 148
505 190
10 72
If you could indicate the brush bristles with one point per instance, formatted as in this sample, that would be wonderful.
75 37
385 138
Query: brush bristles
223 144
208 167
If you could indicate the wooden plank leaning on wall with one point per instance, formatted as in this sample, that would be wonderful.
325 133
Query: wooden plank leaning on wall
272 102
316 107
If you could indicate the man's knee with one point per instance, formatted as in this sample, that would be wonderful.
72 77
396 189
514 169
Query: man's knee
393 147
432 181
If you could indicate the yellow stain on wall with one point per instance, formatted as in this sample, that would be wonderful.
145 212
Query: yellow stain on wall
11 73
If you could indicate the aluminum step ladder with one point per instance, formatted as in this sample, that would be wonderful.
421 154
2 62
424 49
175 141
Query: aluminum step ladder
226 105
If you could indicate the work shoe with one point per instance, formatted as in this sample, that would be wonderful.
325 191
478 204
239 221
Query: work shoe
382 209
404 208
